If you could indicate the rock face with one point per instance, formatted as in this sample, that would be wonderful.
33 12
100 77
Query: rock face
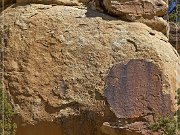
134 9
157 23
149 12
63 65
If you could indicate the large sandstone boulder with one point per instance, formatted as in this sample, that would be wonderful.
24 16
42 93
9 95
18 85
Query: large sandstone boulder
71 70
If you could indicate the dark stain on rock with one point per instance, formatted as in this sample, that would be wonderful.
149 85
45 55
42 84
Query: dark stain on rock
134 89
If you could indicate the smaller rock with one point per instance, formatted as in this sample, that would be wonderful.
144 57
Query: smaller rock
148 12
157 23
136 8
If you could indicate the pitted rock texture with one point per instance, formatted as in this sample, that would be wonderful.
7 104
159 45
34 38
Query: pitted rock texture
57 59
149 12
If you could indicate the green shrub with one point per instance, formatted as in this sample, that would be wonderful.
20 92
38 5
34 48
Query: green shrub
166 125
8 125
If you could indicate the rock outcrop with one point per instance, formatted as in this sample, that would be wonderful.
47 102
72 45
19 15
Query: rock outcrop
69 69
149 12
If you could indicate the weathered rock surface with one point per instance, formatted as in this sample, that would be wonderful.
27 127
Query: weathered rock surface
149 12
61 62
146 11
136 8
157 23
129 129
